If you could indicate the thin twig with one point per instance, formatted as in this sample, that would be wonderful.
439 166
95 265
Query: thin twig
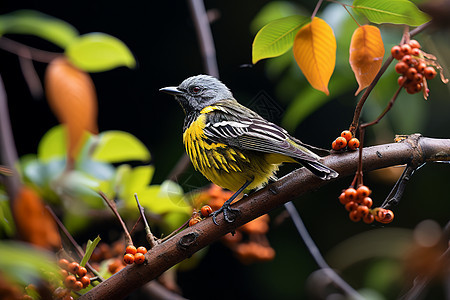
112 205
149 235
315 252
75 245
316 9
29 73
36 54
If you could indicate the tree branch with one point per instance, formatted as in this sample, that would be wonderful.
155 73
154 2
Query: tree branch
415 149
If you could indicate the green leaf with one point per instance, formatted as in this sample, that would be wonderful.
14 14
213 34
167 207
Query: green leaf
134 181
35 23
90 247
391 11
53 144
277 37
119 146
164 198
97 52
275 10
6 220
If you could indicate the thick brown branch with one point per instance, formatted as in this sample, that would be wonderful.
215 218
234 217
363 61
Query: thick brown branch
163 256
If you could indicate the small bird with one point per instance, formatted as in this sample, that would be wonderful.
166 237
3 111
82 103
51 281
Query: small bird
232 145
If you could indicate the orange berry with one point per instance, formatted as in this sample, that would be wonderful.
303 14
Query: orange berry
401 80
363 210
354 216
363 191
128 258
346 134
407 59
379 213
193 221
334 146
342 198
406 49
421 67
415 52
86 281
401 67
139 258
353 144
351 206
114 265
131 249
410 73
63 263
81 272
341 142
413 88
206 210
418 78
368 218
73 267
414 44
69 281
396 52
142 250
429 72
350 194
367 201
64 273
388 216
77 286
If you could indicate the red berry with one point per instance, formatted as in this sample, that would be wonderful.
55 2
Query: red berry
353 144
401 67
131 250
368 218
406 49
414 44
193 221
396 52
363 191
413 88
401 80
347 135
367 201
342 198
73 267
363 210
410 73
354 216
206 210
350 194
407 59
429 72
128 258
139 258
351 205
341 142
69 281
421 67
81 272
77 286
63 263
415 52
86 281
142 250
418 78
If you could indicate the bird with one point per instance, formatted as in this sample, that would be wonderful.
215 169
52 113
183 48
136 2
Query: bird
233 146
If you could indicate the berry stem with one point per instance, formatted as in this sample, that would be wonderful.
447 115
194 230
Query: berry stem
149 235
316 9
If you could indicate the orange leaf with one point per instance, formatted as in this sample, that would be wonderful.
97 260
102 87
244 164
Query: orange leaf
315 53
366 54
71 95
34 223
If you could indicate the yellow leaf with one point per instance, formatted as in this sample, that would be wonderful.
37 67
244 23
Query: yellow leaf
315 53
71 95
366 54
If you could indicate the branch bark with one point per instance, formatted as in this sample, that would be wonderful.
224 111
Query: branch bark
415 150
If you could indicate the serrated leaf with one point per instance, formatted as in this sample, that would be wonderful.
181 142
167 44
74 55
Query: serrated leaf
98 52
277 37
315 53
35 23
366 54
391 11
72 97
118 146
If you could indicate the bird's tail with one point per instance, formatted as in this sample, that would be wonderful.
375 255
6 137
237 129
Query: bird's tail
320 170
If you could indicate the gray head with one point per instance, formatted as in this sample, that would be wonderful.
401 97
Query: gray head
197 92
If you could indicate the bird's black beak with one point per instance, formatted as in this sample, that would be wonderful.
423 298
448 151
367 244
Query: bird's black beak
172 90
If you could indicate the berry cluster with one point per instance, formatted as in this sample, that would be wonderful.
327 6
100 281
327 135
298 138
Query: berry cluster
204 212
75 278
345 140
134 255
358 203
413 67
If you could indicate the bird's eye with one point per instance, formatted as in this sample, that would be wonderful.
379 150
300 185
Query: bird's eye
195 89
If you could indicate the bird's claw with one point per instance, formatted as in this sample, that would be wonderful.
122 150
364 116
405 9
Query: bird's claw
227 210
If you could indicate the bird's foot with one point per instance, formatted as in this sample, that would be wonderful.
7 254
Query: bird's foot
229 214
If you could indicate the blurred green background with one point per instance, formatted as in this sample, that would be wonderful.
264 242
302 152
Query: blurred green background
162 37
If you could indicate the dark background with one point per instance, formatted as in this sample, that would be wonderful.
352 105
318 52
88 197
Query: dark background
162 37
